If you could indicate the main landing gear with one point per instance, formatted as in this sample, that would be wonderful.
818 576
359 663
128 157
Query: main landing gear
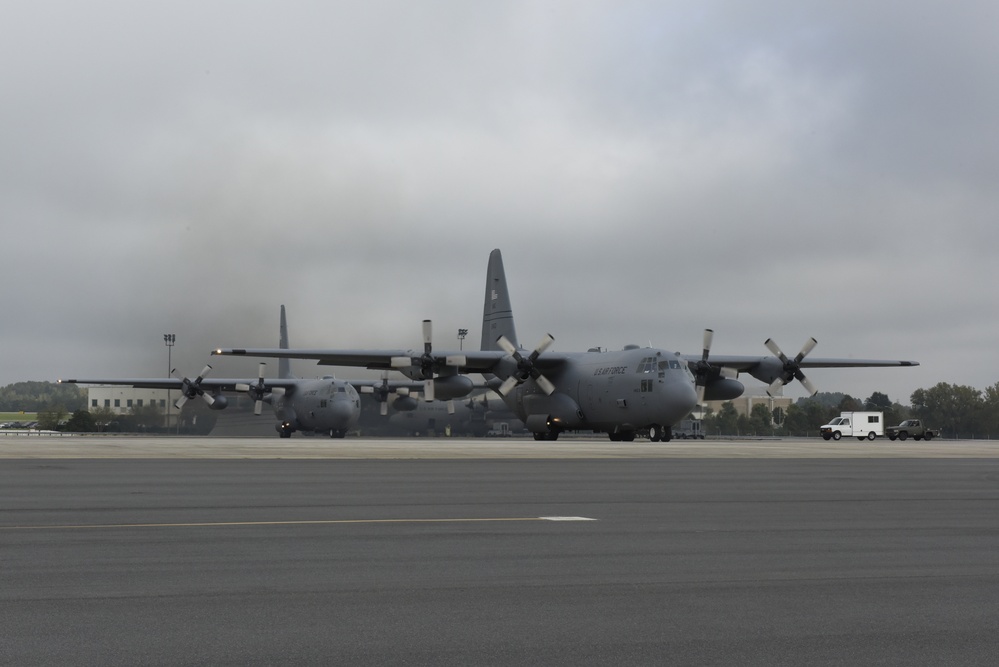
659 433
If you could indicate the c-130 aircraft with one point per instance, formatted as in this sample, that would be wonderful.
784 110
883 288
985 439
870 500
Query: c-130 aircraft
324 405
624 393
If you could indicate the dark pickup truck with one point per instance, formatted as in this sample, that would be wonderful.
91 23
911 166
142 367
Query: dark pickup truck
911 428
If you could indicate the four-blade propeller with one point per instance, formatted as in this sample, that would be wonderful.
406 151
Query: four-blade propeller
383 391
702 369
259 391
526 367
192 388
426 364
792 367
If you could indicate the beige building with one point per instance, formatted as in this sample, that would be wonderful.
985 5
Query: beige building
745 403
122 399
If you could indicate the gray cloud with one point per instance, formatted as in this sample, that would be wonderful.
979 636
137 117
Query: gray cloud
649 169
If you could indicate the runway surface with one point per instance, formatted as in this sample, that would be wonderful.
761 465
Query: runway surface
715 558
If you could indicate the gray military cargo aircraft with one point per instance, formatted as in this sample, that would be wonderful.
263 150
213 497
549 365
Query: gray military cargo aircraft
326 405
623 393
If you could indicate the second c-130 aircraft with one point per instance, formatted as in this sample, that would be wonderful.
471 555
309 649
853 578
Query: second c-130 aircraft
624 393
323 405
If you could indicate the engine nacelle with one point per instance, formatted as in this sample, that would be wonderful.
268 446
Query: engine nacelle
219 402
404 404
452 386
768 369
723 389
557 412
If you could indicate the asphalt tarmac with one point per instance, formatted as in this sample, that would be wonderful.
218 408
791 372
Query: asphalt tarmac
134 551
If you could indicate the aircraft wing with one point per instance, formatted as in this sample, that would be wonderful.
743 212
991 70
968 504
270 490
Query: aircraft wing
217 384
747 364
475 361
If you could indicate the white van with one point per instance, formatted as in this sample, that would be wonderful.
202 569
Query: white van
860 425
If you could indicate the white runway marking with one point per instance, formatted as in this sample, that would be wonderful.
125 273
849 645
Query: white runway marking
320 522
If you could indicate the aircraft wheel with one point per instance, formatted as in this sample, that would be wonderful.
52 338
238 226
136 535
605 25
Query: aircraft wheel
836 435
655 433
628 437
337 433
285 434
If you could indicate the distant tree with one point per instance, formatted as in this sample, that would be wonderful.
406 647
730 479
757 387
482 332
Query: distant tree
103 417
50 417
806 416
829 399
726 422
36 396
145 418
81 422
877 402
760 421
957 410
850 404
990 412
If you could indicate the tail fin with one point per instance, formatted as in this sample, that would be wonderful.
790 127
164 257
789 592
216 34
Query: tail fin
284 365
497 314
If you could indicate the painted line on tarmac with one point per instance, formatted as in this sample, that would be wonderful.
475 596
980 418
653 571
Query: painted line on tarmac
318 522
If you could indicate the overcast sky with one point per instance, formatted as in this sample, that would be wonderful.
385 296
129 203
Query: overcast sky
648 169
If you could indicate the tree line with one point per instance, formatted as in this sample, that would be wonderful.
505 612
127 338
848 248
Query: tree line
959 411
38 396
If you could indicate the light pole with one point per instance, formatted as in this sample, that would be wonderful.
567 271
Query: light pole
169 340
461 338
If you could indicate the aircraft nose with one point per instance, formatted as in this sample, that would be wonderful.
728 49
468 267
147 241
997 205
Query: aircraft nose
681 399
341 410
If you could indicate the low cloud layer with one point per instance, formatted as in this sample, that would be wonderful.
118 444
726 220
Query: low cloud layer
649 169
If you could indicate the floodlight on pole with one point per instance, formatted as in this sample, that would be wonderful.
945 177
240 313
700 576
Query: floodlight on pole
169 340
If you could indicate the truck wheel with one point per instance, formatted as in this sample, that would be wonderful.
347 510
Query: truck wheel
872 435
826 436
917 437
837 435
903 435
928 436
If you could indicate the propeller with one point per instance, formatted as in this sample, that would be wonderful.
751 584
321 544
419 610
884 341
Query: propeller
256 391
426 362
382 391
526 367
792 367
192 388
702 369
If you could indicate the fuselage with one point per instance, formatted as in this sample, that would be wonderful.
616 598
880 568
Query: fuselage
621 391
326 405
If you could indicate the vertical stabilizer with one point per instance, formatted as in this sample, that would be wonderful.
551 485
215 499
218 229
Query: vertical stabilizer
284 365
497 314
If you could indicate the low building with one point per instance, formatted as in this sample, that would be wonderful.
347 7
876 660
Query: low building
121 400
745 403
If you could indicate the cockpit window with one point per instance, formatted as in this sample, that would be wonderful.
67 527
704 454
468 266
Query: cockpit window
647 365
